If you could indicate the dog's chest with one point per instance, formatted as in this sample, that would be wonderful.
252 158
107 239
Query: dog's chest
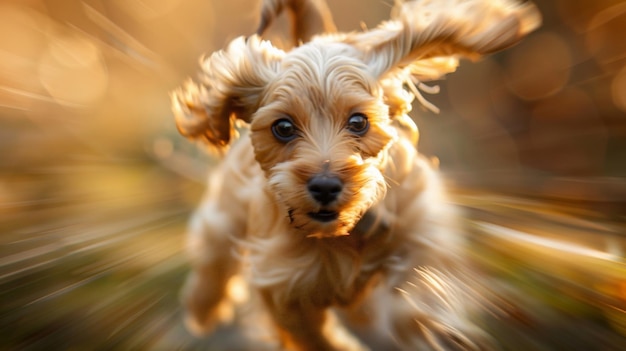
371 228
348 264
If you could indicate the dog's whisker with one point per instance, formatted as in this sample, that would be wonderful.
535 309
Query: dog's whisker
428 89
422 100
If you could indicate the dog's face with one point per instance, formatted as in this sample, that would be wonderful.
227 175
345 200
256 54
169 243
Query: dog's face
319 135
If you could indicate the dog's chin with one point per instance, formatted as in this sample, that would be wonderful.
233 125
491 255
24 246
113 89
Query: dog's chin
323 223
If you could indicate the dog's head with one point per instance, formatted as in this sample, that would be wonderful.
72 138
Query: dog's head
318 135
322 114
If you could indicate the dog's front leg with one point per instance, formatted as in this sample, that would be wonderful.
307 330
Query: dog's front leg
304 327
213 263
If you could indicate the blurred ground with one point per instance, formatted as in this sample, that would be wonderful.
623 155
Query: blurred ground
96 185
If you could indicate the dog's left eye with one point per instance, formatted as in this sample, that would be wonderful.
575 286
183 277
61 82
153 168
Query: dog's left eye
358 124
284 130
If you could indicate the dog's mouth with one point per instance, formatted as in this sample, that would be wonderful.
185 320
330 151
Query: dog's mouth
324 215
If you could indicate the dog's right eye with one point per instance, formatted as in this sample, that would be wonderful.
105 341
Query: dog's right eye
358 124
284 130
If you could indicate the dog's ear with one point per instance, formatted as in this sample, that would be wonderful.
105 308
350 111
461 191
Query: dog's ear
232 84
421 32
308 18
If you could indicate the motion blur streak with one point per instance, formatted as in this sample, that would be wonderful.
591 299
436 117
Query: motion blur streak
96 184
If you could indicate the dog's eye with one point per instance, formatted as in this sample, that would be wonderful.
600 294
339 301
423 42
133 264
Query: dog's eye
358 124
284 130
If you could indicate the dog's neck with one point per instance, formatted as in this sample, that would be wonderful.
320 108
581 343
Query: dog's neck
371 224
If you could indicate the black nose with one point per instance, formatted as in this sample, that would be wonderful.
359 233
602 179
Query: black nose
324 188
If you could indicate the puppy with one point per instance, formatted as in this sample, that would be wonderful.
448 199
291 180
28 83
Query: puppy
325 203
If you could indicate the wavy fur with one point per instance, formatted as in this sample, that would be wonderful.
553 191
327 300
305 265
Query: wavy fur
309 18
390 212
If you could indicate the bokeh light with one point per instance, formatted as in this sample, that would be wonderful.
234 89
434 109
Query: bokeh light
539 67
72 70
618 90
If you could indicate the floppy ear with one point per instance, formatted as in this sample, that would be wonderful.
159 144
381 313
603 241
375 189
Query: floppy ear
232 83
420 32
308 18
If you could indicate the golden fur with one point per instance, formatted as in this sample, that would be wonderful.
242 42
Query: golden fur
391 212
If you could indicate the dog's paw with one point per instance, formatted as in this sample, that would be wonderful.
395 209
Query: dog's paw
201 325
203 309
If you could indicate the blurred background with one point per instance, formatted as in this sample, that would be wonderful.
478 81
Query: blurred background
96 185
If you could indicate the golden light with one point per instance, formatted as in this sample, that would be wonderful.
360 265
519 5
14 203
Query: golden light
72 70
147 10
618 90
567 132
23 32
604 36
539 67
22 42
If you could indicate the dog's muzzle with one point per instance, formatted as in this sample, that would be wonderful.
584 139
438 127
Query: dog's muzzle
325 189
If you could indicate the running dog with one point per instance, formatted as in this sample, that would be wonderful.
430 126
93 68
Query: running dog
325 202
